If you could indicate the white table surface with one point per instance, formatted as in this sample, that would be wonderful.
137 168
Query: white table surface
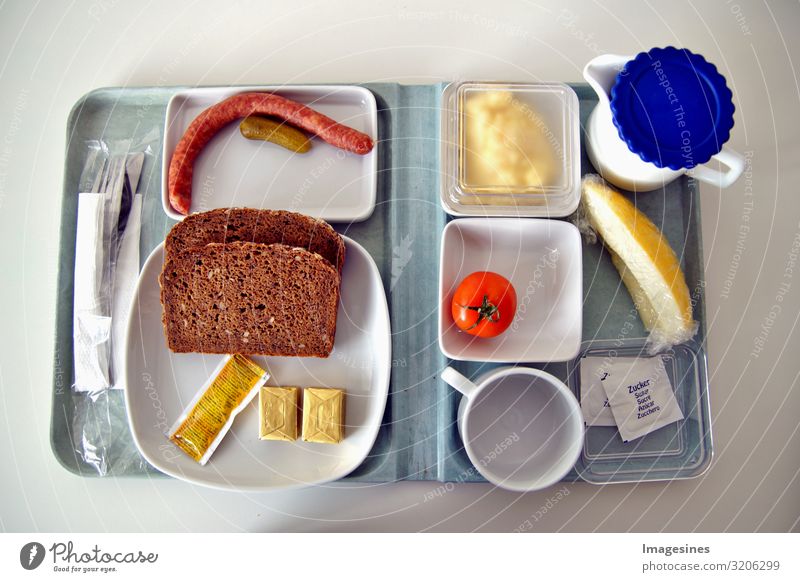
51 54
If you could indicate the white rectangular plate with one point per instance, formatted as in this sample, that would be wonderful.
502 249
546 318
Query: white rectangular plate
159 384
326 182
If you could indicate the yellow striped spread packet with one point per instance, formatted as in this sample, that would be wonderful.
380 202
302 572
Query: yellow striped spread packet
209 416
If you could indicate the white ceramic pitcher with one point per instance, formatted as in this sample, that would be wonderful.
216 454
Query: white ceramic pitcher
611 156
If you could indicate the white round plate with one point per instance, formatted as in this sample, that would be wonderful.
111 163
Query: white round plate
159 384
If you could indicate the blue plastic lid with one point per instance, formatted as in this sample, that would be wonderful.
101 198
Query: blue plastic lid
672 108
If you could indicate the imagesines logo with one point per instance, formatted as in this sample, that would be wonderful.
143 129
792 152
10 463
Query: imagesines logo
31 555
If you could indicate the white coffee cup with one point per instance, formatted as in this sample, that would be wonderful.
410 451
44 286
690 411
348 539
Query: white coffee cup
522 428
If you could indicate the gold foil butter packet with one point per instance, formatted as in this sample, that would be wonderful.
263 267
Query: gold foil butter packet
278 409
323 415
209 416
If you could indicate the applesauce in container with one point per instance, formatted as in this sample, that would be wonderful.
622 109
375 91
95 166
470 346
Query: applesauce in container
510 149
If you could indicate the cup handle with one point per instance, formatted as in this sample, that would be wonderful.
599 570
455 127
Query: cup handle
721 179
458 381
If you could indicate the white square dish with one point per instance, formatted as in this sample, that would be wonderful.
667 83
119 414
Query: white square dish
542 259
326 182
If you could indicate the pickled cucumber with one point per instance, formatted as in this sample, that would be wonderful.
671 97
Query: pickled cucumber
266 129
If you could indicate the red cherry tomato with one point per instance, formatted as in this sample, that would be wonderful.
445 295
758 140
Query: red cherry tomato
484 304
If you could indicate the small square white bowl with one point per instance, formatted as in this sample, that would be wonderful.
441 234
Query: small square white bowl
542 259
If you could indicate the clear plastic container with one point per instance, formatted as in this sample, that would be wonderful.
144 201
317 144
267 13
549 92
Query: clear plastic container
510 149
681 450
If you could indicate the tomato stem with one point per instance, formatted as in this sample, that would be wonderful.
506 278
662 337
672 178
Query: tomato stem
486 310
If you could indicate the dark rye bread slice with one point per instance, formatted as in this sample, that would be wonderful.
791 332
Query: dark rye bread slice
249 298
225 225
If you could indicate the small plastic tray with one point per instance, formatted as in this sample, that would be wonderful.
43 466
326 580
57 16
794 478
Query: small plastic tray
678 450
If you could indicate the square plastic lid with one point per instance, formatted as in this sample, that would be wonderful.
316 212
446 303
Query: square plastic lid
510 149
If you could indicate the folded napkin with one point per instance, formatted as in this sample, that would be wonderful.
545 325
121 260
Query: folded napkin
91 329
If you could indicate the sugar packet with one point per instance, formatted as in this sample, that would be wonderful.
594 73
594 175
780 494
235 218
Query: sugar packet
641 396
594 402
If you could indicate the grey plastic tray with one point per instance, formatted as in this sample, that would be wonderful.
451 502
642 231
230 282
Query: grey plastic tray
418 439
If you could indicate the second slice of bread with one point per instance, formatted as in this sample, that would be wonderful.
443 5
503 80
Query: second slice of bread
225 225
249 298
